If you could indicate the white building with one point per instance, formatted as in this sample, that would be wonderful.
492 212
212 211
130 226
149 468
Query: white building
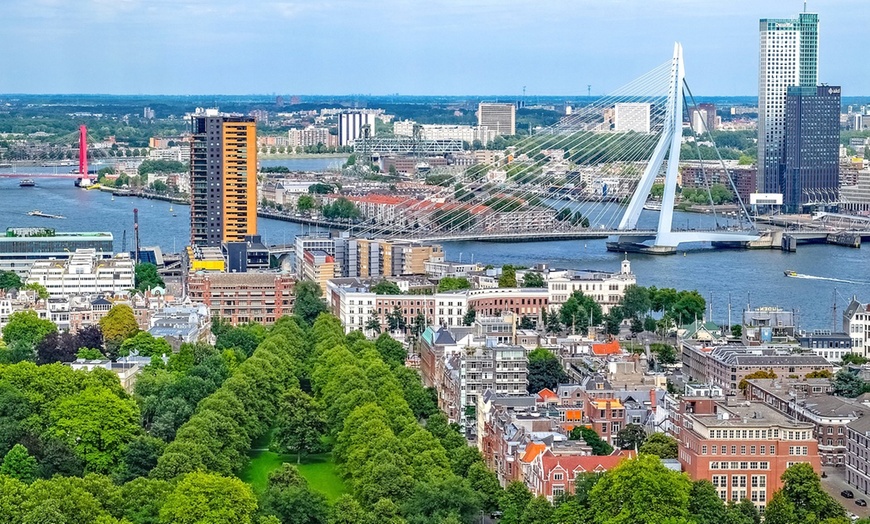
354 125
634 116
84 273
856 322
607 289
501 119
310 136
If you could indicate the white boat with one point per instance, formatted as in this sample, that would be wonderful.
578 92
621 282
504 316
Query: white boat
652 206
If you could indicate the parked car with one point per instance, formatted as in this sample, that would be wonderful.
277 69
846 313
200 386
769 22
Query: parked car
861 502
847 493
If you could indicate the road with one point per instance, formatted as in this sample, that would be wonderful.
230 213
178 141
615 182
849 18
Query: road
836 482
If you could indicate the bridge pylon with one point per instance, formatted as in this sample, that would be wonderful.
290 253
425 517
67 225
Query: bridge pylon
666 239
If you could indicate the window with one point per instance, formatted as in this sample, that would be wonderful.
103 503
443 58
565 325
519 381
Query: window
703 450
558 476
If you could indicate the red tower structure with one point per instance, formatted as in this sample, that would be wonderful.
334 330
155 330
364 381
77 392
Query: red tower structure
83 151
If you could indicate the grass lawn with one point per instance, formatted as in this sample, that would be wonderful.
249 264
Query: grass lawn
318 470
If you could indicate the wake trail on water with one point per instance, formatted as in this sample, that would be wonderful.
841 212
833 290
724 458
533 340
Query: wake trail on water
813 277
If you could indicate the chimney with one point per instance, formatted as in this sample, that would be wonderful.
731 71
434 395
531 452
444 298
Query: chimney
652 400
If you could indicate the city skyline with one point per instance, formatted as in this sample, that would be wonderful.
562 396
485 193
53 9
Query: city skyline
185 47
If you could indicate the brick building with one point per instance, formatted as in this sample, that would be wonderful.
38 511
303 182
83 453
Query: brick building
742 447
238 298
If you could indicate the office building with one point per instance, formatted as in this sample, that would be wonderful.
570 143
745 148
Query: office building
20 247
356 124
223 178
812 146
239 298
742 447
632 116
500 118
789 53
85 272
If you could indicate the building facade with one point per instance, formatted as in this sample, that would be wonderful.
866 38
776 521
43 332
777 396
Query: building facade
788 56
223 178
811 171
85 272
239 298
354 125
500 119
20 247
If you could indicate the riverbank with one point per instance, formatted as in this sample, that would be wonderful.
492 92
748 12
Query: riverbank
300 156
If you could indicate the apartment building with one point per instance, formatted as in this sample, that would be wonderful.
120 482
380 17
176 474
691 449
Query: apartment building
85 272
607 289
742 447
239 298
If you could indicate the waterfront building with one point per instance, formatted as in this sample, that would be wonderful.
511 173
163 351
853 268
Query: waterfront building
607 289
789 54
696 175
742 447
356 124
310 136
631 116
856 322
85 272
223 178
239 298
855 197
20 247
812 147
501 119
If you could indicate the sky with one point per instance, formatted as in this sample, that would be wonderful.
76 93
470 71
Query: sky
406 47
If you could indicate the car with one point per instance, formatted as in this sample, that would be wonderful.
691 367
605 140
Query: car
847 493
861 502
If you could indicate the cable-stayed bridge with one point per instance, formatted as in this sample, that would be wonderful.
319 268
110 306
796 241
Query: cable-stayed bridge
588 176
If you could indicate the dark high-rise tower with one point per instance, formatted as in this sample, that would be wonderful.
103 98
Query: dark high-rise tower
223 178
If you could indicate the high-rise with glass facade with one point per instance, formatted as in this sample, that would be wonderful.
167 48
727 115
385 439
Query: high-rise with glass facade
789 56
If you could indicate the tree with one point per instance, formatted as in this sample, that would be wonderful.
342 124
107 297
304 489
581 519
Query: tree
803 487
19 464
373 324
544 371
205 497
305 203
513 502
90 354
704 503
508 277
631 436
118 325
308 303
689 306
453 284
636 301
392 351
300 425
853 358
27 329
599 447
743 512
469 316
140 457
37 288
396 320
10 280
737 331
847 384
660 445
533 279
820 373
641 491
144 344
526 323
649 324
538 511
385 287
577 312
147 277
665 354
761 373
97 425
485 484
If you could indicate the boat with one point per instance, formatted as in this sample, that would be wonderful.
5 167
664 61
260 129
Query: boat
650 206
27 182
122 192
38 213
790 273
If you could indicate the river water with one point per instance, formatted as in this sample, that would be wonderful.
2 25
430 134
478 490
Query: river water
749 277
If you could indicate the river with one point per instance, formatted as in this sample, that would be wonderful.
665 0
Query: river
749 277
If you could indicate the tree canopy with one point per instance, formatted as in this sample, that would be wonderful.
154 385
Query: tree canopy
545 371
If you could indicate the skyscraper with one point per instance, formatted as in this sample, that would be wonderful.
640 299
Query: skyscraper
500 118
223 178
789 56
356 124
811 165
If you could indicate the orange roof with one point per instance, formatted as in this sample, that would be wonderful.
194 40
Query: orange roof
579 463
601 403
547 395
533 450
607 348
574 414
